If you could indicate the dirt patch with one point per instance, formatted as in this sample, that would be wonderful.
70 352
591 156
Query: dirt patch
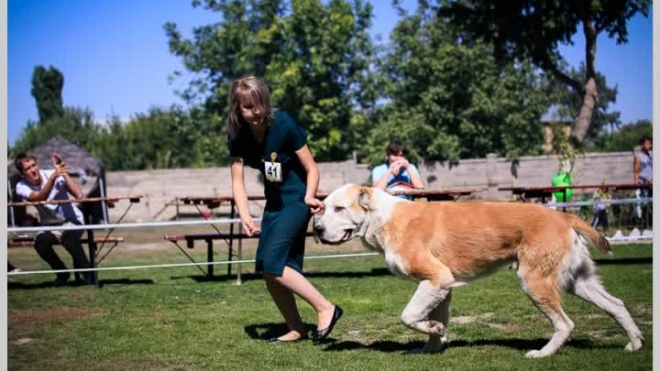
643 308
510 327
461 320
594 316
20 322
126 364
23 341
603 335
356 337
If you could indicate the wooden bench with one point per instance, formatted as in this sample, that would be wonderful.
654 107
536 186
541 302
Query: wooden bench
228 237
28 241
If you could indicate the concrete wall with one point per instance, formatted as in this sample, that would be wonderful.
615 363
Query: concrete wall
160 187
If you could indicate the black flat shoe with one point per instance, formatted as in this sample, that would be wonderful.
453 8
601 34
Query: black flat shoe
277 340
322 334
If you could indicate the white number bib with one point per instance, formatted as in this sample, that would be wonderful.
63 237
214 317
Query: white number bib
273 171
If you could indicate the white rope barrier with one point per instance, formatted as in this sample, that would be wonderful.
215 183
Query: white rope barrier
225 262
238 221
124 225
601 202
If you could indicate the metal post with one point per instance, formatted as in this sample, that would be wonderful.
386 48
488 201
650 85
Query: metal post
104 206
239 279
209 257
231 236
92 250
11 209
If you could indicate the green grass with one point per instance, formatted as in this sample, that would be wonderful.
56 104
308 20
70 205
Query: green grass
171 319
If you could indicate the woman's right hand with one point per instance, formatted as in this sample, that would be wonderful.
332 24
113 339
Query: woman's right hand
249 227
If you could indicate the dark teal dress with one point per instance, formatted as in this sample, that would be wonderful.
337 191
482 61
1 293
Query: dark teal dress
286 216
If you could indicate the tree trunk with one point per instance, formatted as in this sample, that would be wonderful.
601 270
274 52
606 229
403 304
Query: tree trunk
579 131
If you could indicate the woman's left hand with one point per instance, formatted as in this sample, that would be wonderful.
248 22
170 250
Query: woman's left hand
315 205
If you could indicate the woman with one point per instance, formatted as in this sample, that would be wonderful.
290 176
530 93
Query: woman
273 143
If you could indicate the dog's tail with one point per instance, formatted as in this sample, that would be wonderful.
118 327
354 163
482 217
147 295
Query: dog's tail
585 231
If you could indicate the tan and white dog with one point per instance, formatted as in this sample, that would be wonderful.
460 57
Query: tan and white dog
445 245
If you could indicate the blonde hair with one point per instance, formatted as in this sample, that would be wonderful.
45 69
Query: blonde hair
255 89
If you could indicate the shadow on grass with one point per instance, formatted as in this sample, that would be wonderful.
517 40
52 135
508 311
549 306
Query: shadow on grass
223 277
264 331
49 284
624 261
518 344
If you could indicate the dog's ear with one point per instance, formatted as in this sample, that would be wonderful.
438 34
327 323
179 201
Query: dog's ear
364 198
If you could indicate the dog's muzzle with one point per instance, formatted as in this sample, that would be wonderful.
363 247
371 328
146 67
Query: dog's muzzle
319 230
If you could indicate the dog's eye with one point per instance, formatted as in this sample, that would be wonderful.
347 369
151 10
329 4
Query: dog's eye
339 209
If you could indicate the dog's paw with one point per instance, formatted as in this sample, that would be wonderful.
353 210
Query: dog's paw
436 328
634 345
536 354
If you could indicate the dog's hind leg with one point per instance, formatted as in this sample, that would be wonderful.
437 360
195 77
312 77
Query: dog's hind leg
441 313
417 313
544 292
589 289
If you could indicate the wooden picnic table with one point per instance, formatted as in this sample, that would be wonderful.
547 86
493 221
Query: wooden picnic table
108 200
546 192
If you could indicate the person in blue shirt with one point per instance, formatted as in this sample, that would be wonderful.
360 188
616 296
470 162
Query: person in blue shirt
397 172
272 142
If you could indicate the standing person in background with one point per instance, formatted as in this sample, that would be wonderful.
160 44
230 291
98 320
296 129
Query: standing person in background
643 162
643 174
56 184
600 208
273 143
396 172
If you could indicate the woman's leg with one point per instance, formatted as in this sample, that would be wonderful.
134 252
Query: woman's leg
282 289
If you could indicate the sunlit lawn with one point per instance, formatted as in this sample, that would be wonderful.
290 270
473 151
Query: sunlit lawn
173 319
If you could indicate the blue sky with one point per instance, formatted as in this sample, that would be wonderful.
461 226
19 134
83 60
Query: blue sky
115 58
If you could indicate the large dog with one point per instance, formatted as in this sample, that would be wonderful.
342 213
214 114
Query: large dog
445 245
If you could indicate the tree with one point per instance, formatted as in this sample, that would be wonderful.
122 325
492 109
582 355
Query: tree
534 29
450 100
163 139
47 87
315 56
570 102
75 124
625 138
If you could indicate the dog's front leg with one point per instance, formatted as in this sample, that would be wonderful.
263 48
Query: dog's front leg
440 313
417 314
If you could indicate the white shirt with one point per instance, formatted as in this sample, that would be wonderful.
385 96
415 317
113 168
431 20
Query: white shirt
51 213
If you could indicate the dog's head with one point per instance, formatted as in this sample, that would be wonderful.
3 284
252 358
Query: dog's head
346 211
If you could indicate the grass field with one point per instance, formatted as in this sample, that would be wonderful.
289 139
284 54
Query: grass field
174 319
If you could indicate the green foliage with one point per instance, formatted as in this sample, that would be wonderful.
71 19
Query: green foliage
534 29
75 124
162 139
314 55
625 138
451 100
47 87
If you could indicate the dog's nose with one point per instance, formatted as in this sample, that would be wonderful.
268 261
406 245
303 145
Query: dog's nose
318 228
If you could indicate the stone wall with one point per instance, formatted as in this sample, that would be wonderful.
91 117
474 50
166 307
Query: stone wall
160 187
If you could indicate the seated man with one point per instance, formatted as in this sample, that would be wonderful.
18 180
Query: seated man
397 173
42 185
